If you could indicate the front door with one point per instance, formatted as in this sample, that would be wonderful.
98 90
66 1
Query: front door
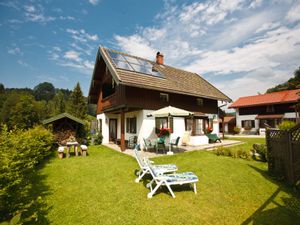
113 130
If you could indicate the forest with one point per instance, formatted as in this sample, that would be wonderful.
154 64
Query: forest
24 107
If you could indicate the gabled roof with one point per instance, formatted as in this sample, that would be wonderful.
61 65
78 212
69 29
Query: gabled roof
175 81
63 115
288 96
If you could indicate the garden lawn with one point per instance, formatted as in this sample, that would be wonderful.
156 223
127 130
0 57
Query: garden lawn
246 146
100 189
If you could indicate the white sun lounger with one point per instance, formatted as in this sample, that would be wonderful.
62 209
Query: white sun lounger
159 169
170 179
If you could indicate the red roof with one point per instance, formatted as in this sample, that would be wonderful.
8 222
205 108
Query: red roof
267 99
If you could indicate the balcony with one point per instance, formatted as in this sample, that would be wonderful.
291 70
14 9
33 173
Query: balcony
108 102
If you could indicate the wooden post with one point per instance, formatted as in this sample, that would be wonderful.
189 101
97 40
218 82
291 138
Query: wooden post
123 147
223 128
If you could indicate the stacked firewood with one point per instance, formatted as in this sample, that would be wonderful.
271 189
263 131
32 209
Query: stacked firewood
64 135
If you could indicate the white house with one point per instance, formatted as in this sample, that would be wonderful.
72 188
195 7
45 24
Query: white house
127 88
254 112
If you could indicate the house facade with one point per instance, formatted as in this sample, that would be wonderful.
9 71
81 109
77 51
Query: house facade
127 89
254 112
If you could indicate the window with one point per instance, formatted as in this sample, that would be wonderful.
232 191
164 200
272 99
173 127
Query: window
197 126
131 125
199 101
270 108
162 123
164 97
248 124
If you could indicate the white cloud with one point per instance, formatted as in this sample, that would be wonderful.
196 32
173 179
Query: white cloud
22 63
293 14
36 14
82 36
15 51
72 55
94 2
255 3
255 48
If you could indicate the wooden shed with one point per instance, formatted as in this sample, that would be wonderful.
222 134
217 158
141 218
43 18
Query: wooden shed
65 126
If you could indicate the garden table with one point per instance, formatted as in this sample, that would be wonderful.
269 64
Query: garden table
69 145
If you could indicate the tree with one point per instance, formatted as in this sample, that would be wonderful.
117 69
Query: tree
22 111
292 84
2 88
44 91
59 103
77 105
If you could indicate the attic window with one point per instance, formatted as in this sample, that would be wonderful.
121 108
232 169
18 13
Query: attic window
164 97
199 101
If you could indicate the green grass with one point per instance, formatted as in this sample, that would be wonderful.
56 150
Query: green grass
247 144
100 189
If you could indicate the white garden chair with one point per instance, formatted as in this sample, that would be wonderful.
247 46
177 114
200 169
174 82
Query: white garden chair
144 168
169 180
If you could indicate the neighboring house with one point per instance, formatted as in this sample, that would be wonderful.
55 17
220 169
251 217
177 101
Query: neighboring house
127 88
229 124
253 112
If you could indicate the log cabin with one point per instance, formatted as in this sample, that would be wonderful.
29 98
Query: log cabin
127 88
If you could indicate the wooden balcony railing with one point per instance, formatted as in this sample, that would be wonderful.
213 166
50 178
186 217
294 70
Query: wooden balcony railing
108 102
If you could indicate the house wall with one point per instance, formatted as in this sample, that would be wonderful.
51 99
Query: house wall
150 100
146 127
239 117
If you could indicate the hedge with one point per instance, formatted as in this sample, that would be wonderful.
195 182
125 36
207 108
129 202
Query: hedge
20 152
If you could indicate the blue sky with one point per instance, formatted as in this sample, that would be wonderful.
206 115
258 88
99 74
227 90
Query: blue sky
241 46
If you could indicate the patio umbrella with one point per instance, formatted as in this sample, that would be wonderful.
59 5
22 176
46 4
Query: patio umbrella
169 112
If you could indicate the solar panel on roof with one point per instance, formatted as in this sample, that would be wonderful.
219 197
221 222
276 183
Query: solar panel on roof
134 64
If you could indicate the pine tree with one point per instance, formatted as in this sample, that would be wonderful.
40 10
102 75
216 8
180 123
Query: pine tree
77 105
59 103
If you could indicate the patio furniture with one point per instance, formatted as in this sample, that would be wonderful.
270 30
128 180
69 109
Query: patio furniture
160 144
61 150
83 149
132 142
175 143
148 145
213 138
170 179
144 169
69 145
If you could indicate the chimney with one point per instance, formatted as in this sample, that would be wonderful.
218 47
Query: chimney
159 58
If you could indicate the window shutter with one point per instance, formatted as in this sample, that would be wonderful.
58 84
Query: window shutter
134 125
171 124
127 125
243 123
157 125
252 124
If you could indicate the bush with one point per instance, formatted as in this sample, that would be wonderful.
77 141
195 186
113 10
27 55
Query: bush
286 125
20 152
236 130
261 150
239 153
98 139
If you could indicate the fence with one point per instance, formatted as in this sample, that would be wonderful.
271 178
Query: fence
284 153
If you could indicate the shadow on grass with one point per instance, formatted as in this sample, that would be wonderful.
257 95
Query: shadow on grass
288 213
36 213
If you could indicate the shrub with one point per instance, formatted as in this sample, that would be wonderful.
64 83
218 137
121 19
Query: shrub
236 130
261 150
239 153
20 152
98 139
286 125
